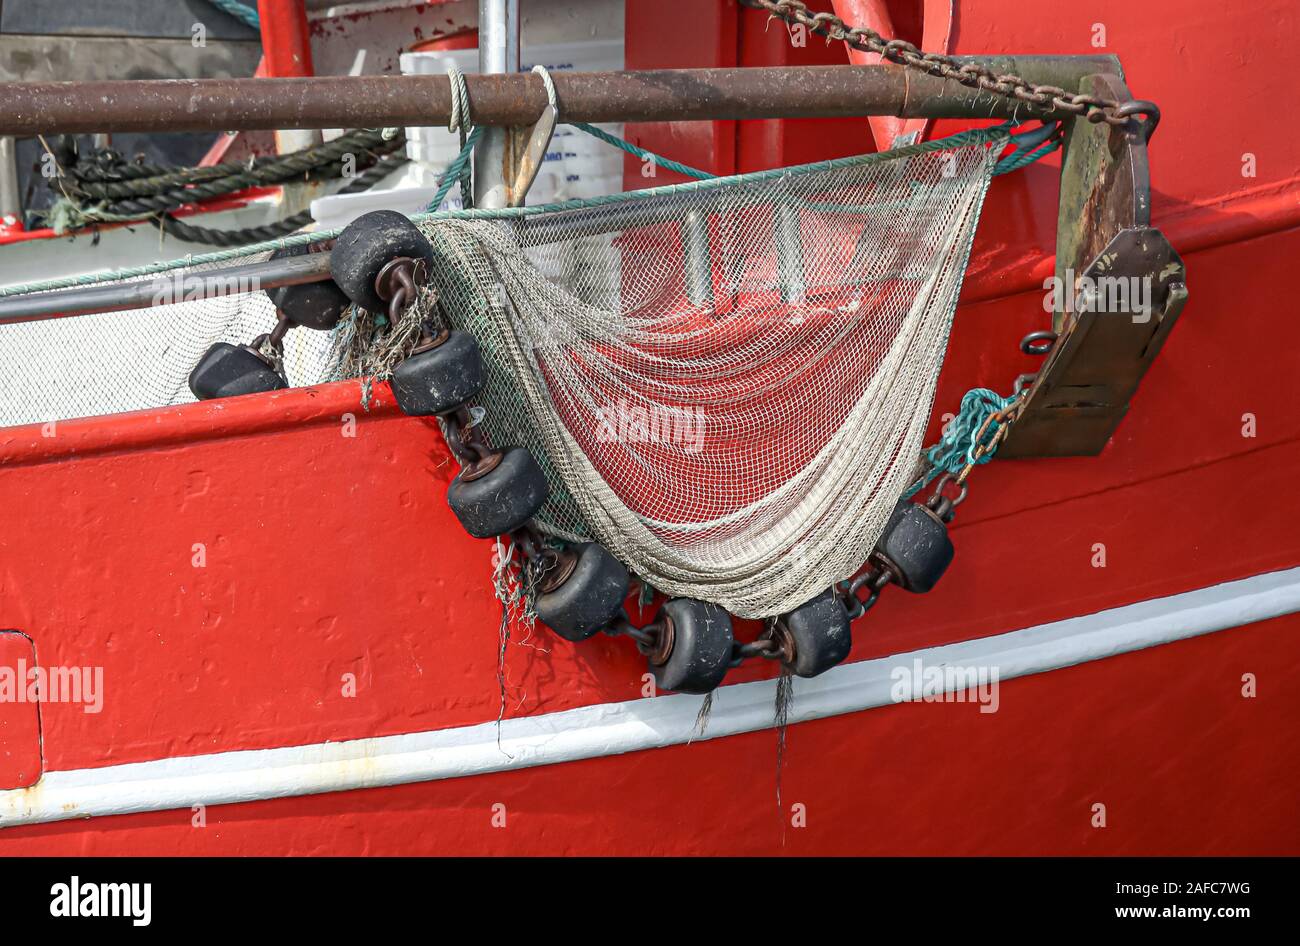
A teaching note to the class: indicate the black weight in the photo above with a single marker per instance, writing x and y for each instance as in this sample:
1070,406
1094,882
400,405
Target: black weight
819,630
916,546
701,650
366,246
503,499
589,598
439,379
316,305
227,370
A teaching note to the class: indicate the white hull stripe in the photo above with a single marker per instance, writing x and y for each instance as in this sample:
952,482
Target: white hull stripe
225,778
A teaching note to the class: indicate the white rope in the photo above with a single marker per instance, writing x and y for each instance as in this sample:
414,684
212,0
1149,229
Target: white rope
549,83
459,105
460,118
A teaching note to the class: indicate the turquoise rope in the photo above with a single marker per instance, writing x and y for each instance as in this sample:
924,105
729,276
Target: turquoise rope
246,15
1030,146
956,448
974,136
639,152
455,172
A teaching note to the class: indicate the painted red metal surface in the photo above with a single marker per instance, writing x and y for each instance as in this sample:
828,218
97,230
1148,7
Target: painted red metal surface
286,40
925,23
248,649
20,714
1162,738
324,554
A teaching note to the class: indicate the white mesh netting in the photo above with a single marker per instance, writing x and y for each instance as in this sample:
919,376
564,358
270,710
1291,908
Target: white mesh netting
140,358
726,382
727,385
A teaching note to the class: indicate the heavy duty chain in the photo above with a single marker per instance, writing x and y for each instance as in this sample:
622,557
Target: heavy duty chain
969,74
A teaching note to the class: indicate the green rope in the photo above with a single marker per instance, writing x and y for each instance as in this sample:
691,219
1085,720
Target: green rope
974,136
246,15
1030,146
956,448
456,172
639,152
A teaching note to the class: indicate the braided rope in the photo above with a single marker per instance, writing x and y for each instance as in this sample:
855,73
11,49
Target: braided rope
957,445
461,123
639,152
214,236
106,175
552,97
174,190
244,14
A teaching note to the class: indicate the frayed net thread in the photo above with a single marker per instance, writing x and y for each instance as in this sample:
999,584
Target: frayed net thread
514,584
368,346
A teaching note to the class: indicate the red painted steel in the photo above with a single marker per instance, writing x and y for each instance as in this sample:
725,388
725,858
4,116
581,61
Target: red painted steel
286,40
1163,738
320,561
20,716
925,23
325,554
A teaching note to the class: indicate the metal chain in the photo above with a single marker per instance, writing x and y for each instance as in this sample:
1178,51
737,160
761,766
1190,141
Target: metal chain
969,74
985,447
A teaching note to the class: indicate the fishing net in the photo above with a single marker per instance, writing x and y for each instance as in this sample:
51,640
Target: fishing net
726,382
141,358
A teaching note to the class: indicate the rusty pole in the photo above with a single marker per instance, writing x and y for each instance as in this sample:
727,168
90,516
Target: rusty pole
28,109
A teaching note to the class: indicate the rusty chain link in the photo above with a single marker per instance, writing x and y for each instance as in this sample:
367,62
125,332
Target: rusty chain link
972,75
1004,419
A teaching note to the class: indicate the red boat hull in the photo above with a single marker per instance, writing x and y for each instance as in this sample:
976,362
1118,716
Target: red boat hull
282,570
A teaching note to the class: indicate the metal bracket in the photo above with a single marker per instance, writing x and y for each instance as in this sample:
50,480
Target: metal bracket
525,152
1119,286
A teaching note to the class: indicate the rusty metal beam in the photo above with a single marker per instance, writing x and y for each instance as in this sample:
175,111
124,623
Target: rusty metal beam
164,289
660,95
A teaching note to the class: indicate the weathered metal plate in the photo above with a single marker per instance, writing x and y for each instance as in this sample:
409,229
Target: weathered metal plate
1119,288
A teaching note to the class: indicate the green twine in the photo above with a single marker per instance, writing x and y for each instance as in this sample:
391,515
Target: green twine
456,171
1030,146
66,215
639,152
956,448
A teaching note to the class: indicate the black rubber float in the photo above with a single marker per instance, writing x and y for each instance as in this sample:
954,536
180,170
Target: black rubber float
814,636
695,646
583,593
440,375
366,246
227,370
498,495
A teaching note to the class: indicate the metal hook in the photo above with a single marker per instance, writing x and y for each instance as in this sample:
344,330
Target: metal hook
1150,110
1032,344
539,139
